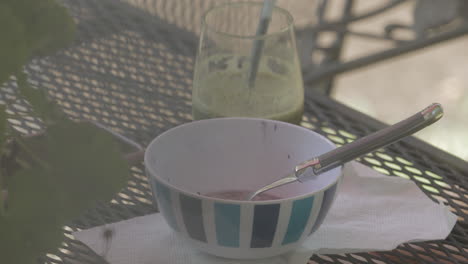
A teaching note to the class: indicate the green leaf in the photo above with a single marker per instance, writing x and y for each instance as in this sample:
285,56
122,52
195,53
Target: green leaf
33,194
3,123
42,106
2,202
33,221
48,25
21,243
88,160
84,165
14,51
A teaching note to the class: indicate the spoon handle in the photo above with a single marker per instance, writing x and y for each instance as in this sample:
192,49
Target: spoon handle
369,143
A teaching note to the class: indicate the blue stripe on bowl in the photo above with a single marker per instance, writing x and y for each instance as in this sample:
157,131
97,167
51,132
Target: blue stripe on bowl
227,221
326,204
300,214
264,225
163,196
192,214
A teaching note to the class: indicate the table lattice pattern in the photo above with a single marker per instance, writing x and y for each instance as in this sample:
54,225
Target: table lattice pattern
131,71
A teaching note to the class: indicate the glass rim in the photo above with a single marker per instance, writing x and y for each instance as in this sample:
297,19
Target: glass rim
289,21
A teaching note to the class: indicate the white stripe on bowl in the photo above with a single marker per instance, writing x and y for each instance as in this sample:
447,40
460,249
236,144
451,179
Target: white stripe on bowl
209,221
313,218
283,222
178,212
246,223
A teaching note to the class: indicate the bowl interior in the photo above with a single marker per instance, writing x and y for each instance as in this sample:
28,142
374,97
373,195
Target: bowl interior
227,154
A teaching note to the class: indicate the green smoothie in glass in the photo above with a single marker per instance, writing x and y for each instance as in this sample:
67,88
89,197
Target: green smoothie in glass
220,90
231,40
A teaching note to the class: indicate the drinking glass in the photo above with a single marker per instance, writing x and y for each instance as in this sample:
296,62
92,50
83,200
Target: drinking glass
221,85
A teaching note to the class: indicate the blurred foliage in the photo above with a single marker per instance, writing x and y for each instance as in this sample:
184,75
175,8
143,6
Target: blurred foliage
31,28
49,179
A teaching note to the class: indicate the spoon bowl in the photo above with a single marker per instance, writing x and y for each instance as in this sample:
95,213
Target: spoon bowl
201,171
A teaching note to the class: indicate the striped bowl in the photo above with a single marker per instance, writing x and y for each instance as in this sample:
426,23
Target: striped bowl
229,154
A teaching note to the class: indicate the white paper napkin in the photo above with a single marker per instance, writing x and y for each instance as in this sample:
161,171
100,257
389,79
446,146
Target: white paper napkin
372,212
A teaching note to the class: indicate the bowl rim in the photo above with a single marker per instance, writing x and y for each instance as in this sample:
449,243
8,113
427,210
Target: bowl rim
152,173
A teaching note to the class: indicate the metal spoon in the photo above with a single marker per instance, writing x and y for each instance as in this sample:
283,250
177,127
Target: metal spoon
332,159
